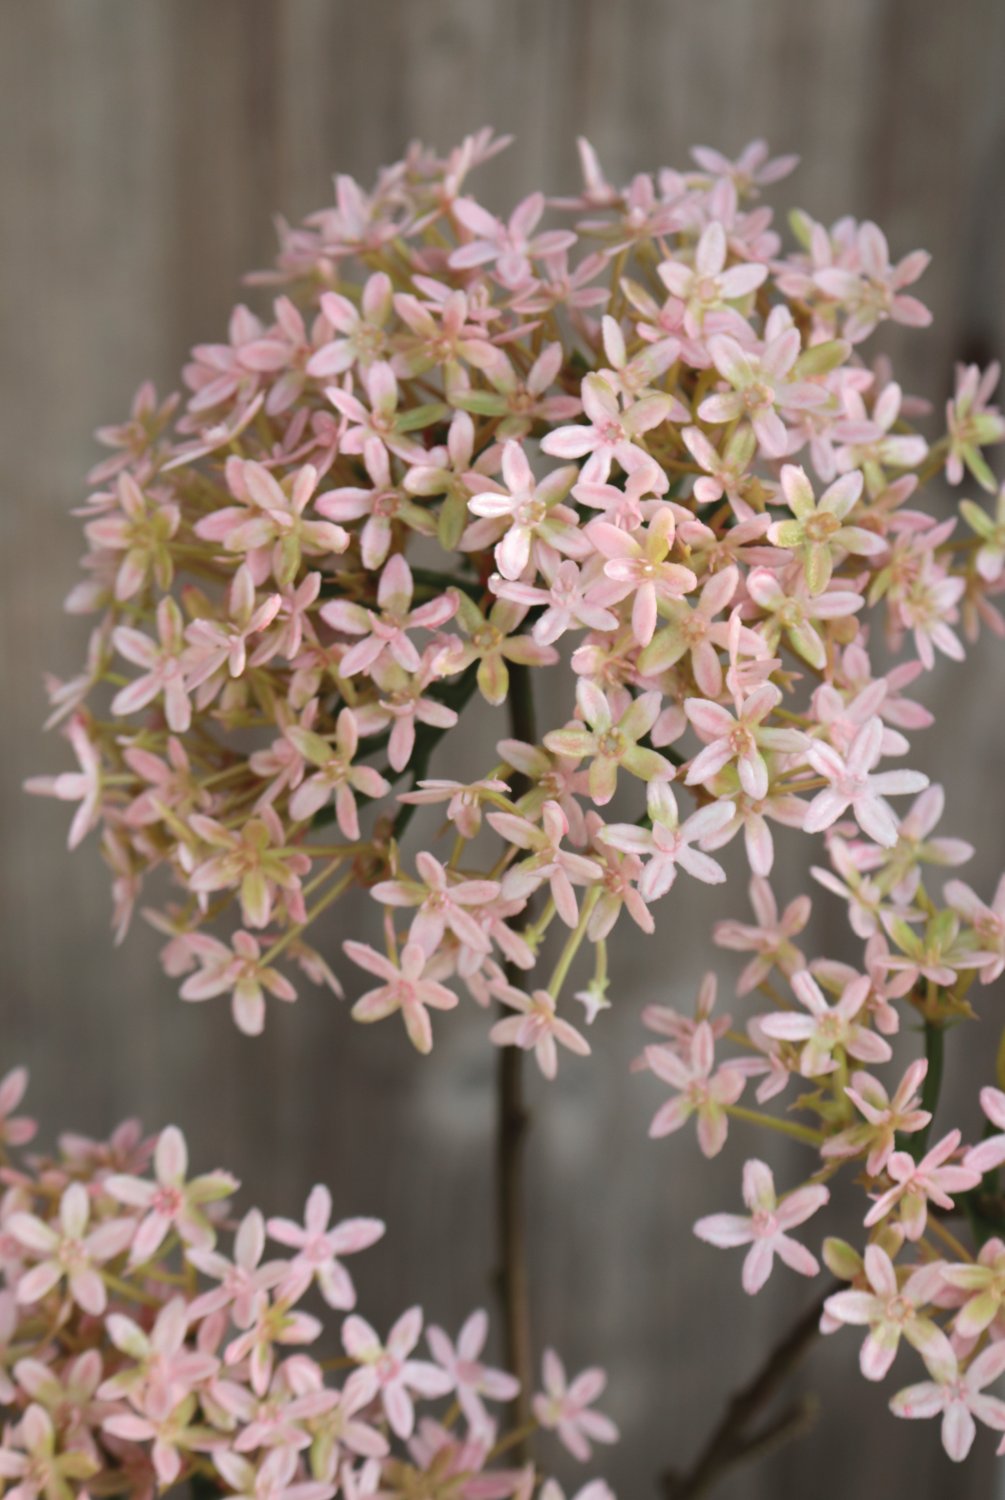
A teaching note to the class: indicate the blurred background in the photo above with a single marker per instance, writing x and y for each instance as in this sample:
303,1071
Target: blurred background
144,148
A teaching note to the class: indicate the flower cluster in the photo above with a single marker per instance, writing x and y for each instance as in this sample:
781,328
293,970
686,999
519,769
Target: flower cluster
137,1352
461,452
825,1027
650,440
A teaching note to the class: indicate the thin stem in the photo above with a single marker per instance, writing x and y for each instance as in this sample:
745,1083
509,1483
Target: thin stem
732,1442
935,1049
313,913
511,1130
573,944
787,1127
936,1227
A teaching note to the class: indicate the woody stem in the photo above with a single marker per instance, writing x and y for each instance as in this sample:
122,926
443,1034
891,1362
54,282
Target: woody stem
511,1128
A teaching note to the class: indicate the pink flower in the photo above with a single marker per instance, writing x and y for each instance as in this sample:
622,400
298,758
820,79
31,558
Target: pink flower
239,969
382,503
464,802
163,1369
272,1323
610,741
885,1117
726,473
760,387
870,289
216,647
892,1310
766,1228
361,329
241,1279
611,432
253,860
573,597
853,786
915,1184
510,247
28,1454
334,772
700,1090
708,285
83,786
637,565
171,1202
547,860
818,527
797,612
959,1397
403,705
387,632
984,1284
669,842
441,904
472,1380
318,1249
694,630
741,739
271,519
69,1251
382,423
141,530
770,939
404,989
565,1408
828,1027
392,1374
536,1027
531,512
973,423
987,921
754,167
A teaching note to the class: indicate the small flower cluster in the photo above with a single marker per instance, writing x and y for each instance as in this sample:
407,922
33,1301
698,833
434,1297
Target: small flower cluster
137,1353
650,438
828,1026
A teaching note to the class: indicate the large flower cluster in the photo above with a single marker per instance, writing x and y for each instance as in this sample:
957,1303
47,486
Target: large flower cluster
463,450
136,1352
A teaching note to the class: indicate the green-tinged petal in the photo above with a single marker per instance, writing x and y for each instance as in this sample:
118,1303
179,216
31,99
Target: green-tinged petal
978,520
788,533
808,644
818,566
664,650
493,678
643,763
576,743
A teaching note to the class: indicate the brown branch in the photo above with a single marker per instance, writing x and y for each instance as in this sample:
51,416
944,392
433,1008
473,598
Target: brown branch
733,1442
512,1121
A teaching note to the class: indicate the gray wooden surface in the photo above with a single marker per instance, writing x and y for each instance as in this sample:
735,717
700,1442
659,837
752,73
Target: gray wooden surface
143,149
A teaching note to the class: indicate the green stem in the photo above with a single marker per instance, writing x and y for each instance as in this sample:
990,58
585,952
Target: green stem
787,1127
572,944
935,1048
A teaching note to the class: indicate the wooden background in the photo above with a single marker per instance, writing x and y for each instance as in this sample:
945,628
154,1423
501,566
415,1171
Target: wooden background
144,148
